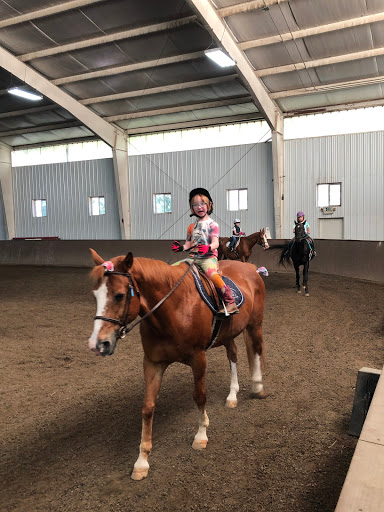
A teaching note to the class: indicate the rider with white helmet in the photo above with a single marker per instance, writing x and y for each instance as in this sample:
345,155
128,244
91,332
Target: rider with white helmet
236,233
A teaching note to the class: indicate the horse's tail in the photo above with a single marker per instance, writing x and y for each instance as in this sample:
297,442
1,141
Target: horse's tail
285,254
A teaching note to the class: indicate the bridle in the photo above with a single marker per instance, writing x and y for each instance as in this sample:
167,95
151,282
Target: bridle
132,287
124,330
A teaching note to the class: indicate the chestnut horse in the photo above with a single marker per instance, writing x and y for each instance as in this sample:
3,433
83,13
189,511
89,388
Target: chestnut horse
175,326
244,249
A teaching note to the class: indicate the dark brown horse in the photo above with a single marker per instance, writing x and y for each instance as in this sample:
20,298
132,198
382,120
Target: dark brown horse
244,249
177,329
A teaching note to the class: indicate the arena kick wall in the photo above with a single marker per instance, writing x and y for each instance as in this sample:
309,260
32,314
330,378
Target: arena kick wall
356,259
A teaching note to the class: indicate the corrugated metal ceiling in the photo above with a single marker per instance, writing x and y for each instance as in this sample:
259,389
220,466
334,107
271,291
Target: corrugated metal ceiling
141,65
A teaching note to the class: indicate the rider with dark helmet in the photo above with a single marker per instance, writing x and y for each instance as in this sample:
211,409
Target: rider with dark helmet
300,219
202,242
236,232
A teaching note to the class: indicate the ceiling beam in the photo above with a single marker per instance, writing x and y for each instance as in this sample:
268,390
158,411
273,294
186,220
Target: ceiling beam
48,11
260,96
375,52
26,111
179,108
42,128
238,118
158,90
102,128
333,108
128,68
327,87
321,29
253,5
108,38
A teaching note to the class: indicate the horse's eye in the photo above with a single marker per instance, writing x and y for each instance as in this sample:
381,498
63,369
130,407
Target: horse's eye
119,297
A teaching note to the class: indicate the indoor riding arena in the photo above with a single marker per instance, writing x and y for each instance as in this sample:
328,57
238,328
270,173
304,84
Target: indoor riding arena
156,131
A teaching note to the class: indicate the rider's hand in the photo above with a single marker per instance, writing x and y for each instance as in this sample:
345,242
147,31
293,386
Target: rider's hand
203,249
242,233
176,247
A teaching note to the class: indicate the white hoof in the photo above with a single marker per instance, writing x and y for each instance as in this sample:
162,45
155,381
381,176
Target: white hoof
199,444
307,294
299,292
231,404
139,474
260,394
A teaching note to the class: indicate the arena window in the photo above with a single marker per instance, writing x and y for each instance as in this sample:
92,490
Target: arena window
329,194
39,207
237,199
162,203
96,205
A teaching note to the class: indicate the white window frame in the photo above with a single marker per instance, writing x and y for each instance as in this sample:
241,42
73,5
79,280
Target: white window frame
155,196
329,202
230,207
37,208
92,210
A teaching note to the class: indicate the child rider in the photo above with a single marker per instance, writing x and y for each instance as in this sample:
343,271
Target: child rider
202,243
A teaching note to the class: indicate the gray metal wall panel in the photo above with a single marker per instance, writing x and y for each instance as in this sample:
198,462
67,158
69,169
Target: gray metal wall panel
217,169
3,229
355,160
66,187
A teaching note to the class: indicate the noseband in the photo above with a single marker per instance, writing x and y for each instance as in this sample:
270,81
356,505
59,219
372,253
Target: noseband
124,330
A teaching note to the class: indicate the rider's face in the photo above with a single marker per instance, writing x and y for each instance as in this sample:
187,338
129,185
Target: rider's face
199,207
300,219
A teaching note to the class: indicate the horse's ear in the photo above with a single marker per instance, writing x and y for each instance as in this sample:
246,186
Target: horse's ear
98,260
127,263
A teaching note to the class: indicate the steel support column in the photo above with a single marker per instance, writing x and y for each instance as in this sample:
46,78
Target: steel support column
7,189
278,176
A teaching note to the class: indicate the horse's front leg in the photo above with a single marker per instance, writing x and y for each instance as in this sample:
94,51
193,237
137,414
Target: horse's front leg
231,401
199,366
153,374
305,278
297,270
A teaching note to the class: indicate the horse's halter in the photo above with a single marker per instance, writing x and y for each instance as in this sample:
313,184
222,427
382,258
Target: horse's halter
124,330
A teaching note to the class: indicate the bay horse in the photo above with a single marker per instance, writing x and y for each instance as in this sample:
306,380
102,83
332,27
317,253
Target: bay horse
175,326
244,249
298,251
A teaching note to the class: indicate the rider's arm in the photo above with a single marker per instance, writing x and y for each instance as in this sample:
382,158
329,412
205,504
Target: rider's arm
215,243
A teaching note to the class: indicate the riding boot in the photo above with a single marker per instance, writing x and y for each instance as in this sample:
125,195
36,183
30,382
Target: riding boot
229,301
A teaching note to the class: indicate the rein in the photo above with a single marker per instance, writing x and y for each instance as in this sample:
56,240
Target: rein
124,329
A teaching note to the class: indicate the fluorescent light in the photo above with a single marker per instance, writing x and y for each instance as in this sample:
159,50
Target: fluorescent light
25,94
221,58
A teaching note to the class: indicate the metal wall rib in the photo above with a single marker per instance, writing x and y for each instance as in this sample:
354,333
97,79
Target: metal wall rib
66,187
354,160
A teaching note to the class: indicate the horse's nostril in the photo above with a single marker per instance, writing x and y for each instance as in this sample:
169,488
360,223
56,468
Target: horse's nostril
103,346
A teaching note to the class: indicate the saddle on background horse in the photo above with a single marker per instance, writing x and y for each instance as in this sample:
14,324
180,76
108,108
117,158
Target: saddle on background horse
238,238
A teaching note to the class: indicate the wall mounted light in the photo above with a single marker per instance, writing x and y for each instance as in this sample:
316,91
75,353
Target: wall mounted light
221,58
33,96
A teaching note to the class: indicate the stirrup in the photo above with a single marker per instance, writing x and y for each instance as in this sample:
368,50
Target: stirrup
224,311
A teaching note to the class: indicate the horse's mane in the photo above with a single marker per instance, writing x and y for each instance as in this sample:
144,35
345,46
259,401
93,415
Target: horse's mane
158,271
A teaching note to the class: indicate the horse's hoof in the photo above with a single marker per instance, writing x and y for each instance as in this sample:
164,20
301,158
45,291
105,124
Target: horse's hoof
199,444
260,395
307,294
299,292
139,474
231,404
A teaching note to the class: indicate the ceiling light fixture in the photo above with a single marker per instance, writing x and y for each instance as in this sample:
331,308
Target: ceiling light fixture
221,58
25,94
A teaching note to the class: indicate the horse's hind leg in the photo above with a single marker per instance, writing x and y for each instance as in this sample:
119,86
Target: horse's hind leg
153,374
231,348
253,337
199,366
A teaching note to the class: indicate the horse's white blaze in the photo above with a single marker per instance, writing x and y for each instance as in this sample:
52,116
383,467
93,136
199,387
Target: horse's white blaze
234,386
101,300
266,244
257,385
203,424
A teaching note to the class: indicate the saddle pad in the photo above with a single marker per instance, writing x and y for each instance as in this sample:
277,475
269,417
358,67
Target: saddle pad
236,292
